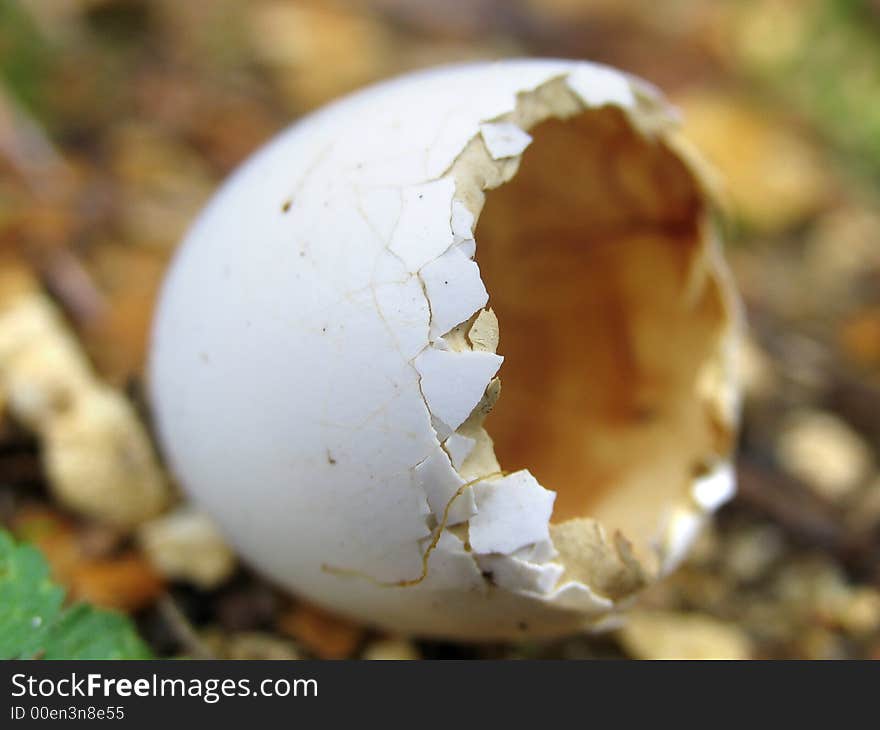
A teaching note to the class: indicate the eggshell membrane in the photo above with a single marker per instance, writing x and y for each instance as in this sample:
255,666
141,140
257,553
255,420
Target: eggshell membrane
316,391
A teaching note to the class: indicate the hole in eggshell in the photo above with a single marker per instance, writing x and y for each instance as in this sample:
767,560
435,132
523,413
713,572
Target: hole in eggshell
590,255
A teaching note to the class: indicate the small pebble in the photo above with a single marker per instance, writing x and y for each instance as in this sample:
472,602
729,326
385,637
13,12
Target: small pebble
391,649
672,635
825,453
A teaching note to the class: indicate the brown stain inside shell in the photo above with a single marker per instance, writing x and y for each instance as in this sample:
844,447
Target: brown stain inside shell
591,256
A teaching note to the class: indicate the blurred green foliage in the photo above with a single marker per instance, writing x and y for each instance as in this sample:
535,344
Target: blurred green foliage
26,58
831,75
34,624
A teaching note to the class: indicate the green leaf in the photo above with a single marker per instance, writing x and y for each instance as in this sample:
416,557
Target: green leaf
29,602
33,623
85,632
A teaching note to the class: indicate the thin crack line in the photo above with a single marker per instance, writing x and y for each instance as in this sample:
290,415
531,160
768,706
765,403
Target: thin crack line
435,539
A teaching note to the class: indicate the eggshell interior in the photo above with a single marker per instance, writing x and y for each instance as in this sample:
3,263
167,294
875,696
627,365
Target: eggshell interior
594,257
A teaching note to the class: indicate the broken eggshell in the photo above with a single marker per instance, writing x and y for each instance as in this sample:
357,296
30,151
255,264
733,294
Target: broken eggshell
324,360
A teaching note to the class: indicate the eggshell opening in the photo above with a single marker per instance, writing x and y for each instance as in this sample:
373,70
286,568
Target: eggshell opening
594,259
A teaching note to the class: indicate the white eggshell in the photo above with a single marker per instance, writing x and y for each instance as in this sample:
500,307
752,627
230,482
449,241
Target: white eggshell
301,384
512,513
